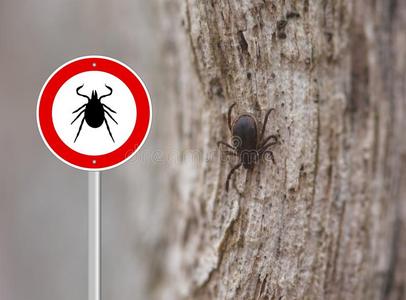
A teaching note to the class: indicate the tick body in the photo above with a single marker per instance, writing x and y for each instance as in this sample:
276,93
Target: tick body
94,114
247,144
245,136
94,111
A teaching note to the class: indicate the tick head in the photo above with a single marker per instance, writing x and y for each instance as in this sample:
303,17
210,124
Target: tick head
94,96
249,158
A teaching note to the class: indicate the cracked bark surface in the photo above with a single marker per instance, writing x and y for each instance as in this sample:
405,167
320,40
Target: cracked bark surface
328,220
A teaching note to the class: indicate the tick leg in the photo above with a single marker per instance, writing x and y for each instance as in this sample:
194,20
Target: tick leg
270,154
113,111
110,116
79,94
80,128
110,92
264,150
236,188
267,139
225,144
108,128
231,173
78,116
229,115
79,108
265,121
267,145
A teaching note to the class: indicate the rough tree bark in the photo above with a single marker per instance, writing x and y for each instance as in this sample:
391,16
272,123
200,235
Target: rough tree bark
328,220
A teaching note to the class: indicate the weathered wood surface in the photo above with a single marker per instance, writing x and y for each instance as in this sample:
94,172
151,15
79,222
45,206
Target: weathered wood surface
328,220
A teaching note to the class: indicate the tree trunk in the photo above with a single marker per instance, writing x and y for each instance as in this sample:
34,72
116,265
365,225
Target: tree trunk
327,221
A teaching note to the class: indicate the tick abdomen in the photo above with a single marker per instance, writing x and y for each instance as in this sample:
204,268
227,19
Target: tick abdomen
245,140
94,114
245,133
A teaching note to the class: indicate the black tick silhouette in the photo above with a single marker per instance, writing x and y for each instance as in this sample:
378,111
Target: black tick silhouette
94,111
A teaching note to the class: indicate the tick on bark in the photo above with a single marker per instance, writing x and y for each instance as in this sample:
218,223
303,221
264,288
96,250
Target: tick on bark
246,144
94,111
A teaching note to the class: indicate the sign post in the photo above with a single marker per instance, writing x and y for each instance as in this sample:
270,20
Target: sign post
94,113
94,236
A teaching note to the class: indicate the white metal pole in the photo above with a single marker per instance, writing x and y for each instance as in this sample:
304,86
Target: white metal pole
94,237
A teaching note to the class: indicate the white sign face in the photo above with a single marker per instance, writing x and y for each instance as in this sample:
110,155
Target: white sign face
94,140
94,113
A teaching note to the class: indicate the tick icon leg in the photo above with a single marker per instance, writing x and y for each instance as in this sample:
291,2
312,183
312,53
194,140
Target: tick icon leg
78,116
80,128
75,111
112,110
108,128
110,116
110,92
79,94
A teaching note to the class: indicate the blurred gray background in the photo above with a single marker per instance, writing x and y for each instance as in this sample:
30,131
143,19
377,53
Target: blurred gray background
43,203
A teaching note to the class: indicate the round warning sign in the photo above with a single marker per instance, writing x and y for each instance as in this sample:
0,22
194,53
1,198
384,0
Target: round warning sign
94,113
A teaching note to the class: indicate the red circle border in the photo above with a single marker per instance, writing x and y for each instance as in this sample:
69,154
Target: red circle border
67,154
